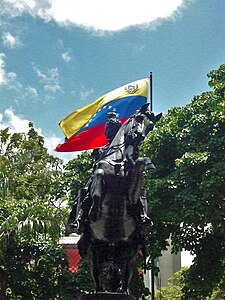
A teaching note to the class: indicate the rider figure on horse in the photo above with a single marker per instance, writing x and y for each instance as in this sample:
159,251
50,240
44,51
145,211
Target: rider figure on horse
112,126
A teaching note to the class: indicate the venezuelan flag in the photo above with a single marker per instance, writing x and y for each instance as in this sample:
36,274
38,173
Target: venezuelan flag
84,128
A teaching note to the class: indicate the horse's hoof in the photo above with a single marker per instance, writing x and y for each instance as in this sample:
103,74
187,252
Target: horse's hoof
122,290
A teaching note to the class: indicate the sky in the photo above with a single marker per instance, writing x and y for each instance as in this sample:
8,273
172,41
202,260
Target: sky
58,55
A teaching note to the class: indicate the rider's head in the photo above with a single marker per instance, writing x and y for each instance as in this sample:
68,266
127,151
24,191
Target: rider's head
111,114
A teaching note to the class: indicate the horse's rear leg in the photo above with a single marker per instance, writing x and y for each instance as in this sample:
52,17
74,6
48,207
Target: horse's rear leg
96,272
96,277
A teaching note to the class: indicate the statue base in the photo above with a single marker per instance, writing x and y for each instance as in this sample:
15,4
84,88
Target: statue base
106,296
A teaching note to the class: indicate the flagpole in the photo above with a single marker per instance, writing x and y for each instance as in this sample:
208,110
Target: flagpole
150,100
150,92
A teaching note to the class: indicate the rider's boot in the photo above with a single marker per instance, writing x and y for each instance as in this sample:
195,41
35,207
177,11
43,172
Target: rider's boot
82,216
85,240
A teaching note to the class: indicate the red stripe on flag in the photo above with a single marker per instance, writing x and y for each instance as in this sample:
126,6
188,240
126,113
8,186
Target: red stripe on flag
91,138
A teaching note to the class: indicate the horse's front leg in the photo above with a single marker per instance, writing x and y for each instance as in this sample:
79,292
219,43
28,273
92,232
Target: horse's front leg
96,194
127,272
128,268
137,194
136,178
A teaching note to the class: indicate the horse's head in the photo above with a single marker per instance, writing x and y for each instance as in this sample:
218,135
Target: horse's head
145,119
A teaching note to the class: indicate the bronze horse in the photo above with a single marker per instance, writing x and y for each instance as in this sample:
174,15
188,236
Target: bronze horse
111,234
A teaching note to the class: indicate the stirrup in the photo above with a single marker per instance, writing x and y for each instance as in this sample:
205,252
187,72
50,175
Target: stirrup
76,227
146,221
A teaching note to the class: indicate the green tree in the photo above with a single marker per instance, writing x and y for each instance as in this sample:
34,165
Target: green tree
186,194
218,293
31,216
77,173
80,283
173,291
35,270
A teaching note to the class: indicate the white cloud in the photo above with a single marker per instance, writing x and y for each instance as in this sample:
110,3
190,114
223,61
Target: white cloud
9,40
5,77
51,142
18,124
66,56
15,123
31,91
84,93
17,7
99,14
49,79
11,82
111,15
2,69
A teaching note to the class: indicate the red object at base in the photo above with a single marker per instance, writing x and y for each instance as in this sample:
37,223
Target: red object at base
73,258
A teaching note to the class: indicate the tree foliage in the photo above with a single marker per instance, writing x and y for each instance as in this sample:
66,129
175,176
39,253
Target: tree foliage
77,172
31,216
186,194
174,289
35,270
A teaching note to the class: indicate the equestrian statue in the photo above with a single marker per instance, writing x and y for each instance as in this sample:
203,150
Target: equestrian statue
110,212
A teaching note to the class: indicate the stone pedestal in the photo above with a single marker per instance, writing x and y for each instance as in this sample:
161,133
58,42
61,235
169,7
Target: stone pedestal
106,296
